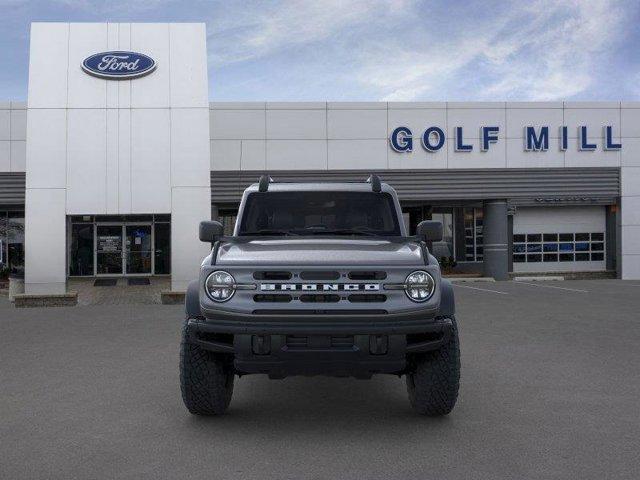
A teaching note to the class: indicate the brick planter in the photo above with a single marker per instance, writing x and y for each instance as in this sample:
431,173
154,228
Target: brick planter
62,300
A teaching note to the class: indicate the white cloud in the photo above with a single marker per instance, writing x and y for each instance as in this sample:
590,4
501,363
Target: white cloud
545,51
407,50
260,29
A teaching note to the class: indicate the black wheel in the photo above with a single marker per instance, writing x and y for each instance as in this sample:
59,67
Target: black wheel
206,379
434,378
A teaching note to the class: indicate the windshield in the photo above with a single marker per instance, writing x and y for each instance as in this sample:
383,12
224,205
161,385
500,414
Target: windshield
317,213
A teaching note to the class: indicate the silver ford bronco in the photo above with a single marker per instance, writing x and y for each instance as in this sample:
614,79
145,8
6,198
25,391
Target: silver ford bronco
320,279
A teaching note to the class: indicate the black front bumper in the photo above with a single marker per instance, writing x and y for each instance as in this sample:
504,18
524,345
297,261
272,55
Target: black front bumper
325,322
340,345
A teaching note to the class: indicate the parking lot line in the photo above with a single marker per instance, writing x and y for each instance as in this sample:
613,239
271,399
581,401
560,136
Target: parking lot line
552,286
481,289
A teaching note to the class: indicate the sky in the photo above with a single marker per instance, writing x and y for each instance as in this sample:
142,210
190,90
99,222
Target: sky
377,50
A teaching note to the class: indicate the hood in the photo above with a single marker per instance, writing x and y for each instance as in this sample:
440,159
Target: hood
316,251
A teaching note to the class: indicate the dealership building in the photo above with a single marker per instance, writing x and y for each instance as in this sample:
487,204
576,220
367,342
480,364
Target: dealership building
117,155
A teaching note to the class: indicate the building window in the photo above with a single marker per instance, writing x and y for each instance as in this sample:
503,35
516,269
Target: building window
120,244
11,242
473,239
558,247
227,217
81,250
445,248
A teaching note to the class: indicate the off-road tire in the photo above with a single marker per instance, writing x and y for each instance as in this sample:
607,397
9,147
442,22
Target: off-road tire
434,378
206,379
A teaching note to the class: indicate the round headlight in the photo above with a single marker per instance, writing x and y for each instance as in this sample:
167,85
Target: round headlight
419,286
220,286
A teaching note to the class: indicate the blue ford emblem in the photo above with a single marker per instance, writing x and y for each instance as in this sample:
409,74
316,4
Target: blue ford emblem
118,65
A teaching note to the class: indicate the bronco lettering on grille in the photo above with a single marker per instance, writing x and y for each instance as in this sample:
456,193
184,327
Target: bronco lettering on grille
319,287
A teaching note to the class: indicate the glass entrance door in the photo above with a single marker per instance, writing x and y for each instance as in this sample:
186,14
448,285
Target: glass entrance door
109,250
139,250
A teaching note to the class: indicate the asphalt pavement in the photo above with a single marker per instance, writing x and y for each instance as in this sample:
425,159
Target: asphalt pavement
550,389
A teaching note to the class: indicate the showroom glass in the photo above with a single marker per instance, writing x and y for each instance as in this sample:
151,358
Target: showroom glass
309,213
81,251
129,244
12,241
558,247
138,249
473,238
162,248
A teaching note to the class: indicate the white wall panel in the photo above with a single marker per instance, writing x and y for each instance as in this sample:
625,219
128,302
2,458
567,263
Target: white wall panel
112,162
237,124
86,91
18,156
631,239
124,86
190,205
357,154
296,124
225,154
630,153
5,124
47,148
124,161
296,154
152,91
113,43
253,155
418,158
592,118
630,211
517,157
190,147
598,158
630,181
18,124
630,120
150,161
418,120
188,53
495,157
630,268
5,156
356,124
45,241
86,161
48,62
518,118
471,119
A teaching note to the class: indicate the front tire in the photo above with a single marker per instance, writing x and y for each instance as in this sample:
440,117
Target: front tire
206,379
434,379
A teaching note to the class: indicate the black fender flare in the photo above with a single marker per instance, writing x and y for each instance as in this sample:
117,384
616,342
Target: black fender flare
192,300
447,300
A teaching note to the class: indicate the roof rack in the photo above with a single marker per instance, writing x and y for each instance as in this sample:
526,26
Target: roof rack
374,180
263,183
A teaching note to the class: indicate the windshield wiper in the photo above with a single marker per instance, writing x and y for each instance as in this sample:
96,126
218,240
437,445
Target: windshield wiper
267,231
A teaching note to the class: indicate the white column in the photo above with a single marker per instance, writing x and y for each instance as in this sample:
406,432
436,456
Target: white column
630,223
45,241
630,191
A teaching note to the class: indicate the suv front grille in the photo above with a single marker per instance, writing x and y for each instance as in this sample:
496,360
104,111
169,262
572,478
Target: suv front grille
316,286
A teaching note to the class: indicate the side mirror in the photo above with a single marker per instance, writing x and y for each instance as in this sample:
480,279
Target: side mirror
430,231
210,231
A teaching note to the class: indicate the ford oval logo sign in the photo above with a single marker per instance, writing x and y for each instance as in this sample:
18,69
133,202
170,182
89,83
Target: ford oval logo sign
118,65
